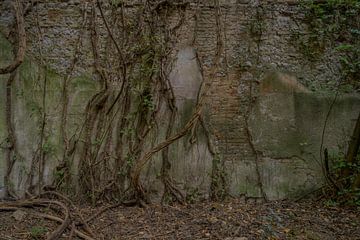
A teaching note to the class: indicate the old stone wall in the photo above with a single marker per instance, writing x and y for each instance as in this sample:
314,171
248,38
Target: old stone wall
254,133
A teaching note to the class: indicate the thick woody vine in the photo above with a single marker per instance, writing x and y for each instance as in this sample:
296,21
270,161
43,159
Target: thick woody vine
132,60
142,161
141,50
256,29
138,55
20,39
132,65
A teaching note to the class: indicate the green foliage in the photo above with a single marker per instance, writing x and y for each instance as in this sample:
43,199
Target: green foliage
149,52
218,179
37,232
128,131
333,22
35,108
48,147
258,25
168,198
331,203
115,2
129,160
96,142
340,164
59,175
351,196
347,194
147,102
333,25
192,195
350,62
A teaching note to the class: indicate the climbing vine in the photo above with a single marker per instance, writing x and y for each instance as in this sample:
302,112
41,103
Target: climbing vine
140,68
12,153
256,30
134,47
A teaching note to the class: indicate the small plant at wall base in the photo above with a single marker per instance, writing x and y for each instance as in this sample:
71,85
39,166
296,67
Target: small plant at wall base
37,232
345,172
218,179
349,193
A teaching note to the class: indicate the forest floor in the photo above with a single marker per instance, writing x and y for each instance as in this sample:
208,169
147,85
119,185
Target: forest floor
231,219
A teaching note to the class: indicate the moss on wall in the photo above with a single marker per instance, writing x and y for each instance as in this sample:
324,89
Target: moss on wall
28,99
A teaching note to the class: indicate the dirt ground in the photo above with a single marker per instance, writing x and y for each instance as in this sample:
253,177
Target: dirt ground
232,219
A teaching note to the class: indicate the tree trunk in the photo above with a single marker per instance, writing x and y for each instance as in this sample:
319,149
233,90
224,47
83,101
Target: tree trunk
354,143
353,150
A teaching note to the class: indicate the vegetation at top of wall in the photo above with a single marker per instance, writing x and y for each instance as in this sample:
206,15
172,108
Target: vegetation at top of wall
333,25
333,31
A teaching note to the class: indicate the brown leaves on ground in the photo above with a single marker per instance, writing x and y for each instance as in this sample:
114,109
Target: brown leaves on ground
231,219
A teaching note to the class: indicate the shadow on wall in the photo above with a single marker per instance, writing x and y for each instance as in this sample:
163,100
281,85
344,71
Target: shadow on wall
277,82
286,125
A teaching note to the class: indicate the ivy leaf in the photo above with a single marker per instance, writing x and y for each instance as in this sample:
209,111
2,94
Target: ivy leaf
344,47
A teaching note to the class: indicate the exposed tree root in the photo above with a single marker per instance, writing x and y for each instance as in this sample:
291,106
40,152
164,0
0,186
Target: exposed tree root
81,218
42,202
59,220
65,223
101,211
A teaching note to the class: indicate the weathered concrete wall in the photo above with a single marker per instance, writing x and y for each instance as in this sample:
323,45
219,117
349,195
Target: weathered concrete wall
191,163
257,36
287,134
27,93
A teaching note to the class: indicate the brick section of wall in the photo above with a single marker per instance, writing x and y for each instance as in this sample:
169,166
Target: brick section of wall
257,35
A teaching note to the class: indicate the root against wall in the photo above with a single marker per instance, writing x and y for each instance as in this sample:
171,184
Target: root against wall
12,153
121,119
